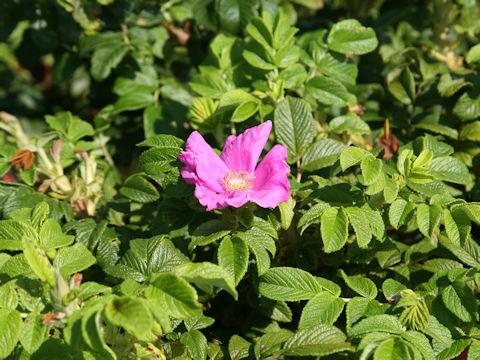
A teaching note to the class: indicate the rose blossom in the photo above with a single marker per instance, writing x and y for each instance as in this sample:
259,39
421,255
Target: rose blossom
233,179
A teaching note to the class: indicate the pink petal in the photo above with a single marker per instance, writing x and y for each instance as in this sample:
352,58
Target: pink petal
188,171
271,186
202,165
243,151
213,200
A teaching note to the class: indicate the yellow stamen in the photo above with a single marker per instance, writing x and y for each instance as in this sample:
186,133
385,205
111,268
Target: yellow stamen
237,180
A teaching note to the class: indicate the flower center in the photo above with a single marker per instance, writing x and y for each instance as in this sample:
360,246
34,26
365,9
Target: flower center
237,180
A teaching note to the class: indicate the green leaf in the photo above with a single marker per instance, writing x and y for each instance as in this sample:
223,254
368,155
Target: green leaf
8,296
457,226
245,110
79,129
329,286
335,65
399,212
350,123
91,288
391,288
399,83
236,97
371,169
138,189
459,299
208,274
311,216
265,227
286,213
328,91
39,214
74,259
175,295
258,243
166,142
134,101
293,122
52,237
447,168
350,37
256,61
33,332
390,190
235,14
391,349
428,218
130,314
196,344
275,310
198,322
471,131
462,254
159,160
468,106
283,32
91,327
420,342
409,83
351,156
474,350
10,331
288,284
334,229
11,233
107,57
448,87
323,308
318,340
359,307
321,154
261,32
209,232
454,350
385,323
293,76
439,264
473,54
358,218
238,347
270,342
38,260
233,257
363,286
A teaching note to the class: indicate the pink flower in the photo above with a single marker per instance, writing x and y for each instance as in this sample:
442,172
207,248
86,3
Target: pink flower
233,178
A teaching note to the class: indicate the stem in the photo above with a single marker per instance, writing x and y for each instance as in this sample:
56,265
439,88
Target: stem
44,158
105,150
299,172
125,36
7,129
